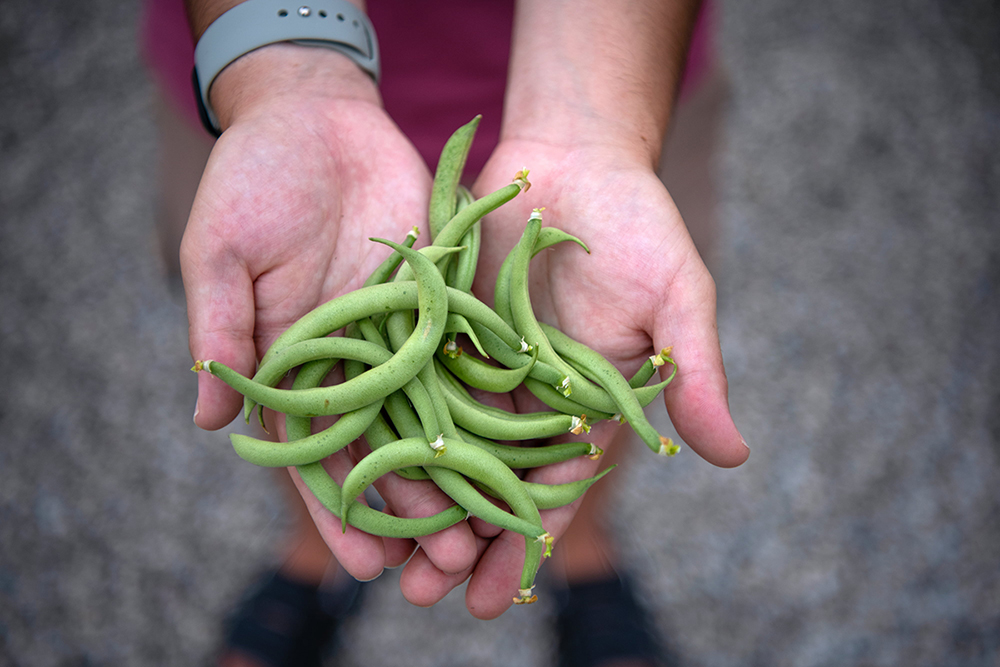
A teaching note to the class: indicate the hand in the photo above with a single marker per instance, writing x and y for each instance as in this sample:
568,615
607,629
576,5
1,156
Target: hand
643,288
308,168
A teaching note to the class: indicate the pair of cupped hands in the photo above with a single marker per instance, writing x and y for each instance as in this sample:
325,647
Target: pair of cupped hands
299,182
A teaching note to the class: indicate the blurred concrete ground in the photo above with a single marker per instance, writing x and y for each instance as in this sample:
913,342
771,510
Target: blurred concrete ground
858,263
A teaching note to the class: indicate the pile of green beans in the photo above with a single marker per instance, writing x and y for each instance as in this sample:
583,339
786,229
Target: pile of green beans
407,380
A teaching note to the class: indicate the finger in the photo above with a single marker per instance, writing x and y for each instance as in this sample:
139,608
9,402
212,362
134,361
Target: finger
495,581
451,550
698,398
424,585
397,551
220,305
360,554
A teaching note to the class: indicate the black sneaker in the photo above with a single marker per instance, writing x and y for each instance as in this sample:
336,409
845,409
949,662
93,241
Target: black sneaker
601,622
285,623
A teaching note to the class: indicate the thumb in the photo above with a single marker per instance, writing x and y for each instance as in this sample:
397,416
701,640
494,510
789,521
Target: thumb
698,398
220,305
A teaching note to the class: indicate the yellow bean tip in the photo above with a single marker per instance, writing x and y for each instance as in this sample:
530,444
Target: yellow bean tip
595,452
579,425
521,179
549,542
438,446
668,447
525,596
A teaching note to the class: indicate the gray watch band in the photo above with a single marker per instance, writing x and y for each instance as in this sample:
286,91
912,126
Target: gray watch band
333,24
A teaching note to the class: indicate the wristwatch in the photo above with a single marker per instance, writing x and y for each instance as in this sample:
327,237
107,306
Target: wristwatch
332,24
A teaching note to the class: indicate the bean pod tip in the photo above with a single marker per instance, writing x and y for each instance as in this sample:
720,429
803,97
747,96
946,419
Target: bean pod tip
525,596
668,447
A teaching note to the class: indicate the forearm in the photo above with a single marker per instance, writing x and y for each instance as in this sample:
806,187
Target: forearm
596,71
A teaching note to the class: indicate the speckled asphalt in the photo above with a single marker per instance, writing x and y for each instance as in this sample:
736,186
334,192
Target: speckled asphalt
858,267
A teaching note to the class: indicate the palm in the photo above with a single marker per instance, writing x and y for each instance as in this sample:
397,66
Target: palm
312,201
642,285
281,224
639,247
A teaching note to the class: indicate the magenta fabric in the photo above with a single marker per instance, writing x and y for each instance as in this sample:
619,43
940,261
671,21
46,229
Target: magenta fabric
166,47
443,62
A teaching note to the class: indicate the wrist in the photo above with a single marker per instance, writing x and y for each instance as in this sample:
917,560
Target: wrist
588,73
287,76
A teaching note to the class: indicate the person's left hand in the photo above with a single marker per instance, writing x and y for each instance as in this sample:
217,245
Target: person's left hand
642,288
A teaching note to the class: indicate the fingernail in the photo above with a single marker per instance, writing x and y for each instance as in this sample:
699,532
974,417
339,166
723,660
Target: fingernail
373,578
195,418
744,443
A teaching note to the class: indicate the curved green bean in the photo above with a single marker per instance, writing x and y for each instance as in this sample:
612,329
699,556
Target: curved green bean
471,462
548,395
374,384
498,424
605,373
479,374
552,496
327,491
315,447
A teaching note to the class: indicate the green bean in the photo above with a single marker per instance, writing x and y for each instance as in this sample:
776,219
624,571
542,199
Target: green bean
453,483
474,463
333,348
585,392
463,197
328,493
555,400
372,521
518,457
481,375
550,236
315,447
379,432
454,455
364,302
383,272
456,228
374,384
617,387
645,394
479,313
462,271
460,324
498,424
647,369
512,358
447,175
551,496
547,237
501,290
472,241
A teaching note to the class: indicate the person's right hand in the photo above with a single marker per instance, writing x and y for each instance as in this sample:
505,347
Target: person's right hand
308,168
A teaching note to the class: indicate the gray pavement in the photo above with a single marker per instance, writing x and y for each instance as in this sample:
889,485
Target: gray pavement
858,266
